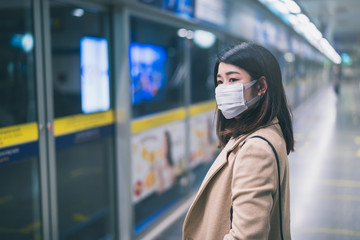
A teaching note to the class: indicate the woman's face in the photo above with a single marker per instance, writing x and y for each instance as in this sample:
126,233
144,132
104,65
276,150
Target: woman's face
231,74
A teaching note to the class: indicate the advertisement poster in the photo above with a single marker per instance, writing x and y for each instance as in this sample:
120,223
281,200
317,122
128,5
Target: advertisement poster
203,139
158,159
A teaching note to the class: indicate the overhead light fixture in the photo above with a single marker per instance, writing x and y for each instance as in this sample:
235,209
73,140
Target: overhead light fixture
292,6
281,7
303,18
78,12
314,30
289,57
290,12
23,41
204,39
27,42
182,32
346,59
292,19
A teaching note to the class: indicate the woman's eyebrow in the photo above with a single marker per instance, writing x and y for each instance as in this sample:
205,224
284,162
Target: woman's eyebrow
229,73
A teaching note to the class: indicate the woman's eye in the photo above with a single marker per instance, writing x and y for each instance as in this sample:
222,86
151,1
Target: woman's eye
233,79
219,82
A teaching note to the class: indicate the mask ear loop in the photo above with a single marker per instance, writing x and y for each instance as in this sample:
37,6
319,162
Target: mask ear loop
255,99
250,84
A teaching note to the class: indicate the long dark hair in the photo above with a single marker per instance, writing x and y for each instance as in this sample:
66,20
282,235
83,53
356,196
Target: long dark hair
257,61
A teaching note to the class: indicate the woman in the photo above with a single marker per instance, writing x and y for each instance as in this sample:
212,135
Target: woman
242,195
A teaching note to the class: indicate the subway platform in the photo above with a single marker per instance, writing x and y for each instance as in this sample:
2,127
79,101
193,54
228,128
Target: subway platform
324,169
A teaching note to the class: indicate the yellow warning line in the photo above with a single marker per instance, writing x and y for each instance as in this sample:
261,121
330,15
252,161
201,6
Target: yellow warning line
156,120
342,197
329,231
341,183
18,134
6,198
25,230
202,107
80,122
332,182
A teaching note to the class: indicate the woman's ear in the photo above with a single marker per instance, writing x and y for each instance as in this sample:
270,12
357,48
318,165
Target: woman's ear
262,86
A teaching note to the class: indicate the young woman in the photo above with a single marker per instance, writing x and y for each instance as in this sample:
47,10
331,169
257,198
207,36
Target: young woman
245,194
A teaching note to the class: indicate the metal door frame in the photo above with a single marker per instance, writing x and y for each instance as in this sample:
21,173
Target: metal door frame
45,113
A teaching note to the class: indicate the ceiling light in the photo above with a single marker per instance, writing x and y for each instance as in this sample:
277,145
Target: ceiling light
182,32
292,19
314,31
303,18
78,12
204,39
281,7
292,6
27,42
289,57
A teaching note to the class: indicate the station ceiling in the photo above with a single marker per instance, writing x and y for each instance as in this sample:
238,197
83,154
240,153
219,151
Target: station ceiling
338,20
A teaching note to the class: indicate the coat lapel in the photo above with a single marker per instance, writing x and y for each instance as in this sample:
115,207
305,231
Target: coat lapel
218,164
222,159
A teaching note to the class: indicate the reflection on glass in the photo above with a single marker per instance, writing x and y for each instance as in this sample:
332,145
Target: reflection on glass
20,211
156,68
95,90
202,82
17,81
158,154
79,39
83,191
147,71
74,29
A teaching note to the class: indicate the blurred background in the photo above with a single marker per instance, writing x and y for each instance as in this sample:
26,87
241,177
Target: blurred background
107,112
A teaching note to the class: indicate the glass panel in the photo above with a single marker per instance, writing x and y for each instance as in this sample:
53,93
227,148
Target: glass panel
203,140
20,213
83,123
17,81
158,147
202,78
156,69
80,59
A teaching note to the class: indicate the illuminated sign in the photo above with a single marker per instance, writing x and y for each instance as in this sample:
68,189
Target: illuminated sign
95,92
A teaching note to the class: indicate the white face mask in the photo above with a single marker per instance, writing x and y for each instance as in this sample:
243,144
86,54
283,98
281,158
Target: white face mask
230,98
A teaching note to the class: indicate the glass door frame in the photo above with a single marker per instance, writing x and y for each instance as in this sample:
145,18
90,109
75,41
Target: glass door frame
123,104
40,73
45,113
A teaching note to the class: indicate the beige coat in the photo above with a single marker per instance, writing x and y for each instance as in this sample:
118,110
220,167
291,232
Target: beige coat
246,178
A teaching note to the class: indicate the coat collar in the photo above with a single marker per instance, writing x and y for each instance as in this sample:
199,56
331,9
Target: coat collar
222,159
235,142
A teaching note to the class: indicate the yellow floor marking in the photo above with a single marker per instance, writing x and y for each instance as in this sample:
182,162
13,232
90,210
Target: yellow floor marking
357,140
331,182
304,146
341,183
77,172
330,231
8,230
6,198
355,120
25,230
79,217
342,197
30,228
358,153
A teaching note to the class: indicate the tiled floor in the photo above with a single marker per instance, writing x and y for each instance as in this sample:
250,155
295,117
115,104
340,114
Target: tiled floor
324,169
